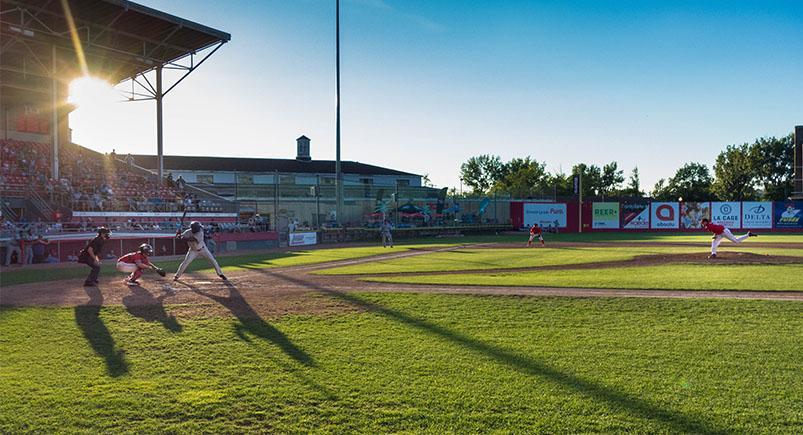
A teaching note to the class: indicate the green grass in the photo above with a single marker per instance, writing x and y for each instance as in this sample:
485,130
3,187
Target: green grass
410,363
670,276
260,260
512,258
674,237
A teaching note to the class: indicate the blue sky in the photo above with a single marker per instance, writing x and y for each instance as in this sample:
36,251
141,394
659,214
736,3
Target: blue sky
428,84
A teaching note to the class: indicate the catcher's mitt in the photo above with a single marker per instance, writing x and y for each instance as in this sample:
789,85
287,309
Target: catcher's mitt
160,271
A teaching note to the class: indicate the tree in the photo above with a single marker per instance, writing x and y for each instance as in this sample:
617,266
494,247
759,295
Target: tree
735,174
661,191
481,172
633,185
611,179
692,182
772,161
523,178
592,178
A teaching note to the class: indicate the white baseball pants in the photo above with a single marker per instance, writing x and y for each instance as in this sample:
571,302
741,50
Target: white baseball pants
192,253
728,235
126,267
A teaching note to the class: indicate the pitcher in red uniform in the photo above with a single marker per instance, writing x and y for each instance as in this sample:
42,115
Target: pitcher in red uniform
719,232
535,231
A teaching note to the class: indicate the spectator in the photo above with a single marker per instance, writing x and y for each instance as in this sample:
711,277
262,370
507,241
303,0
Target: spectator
39,249
27,246
14,246
129,159
180,183
73,257
51,258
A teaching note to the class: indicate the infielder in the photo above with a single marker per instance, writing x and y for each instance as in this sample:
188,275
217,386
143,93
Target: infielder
535,231
719,232
135,262
385,232
194,237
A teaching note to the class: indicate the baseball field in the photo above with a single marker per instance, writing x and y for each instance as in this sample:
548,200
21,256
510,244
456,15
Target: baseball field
593,333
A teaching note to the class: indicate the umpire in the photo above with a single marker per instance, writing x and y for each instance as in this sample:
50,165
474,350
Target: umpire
90,255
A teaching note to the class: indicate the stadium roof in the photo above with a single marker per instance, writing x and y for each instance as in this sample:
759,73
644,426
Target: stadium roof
120,39
245,164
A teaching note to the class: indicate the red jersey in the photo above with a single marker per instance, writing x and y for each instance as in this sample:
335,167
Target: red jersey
716,229
133,257
535,230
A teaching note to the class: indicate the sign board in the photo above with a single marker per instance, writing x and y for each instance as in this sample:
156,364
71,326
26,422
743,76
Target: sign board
664,215
545,214
303,239
635,216
576,184
756,214
692,213
789,214
727,213
605,215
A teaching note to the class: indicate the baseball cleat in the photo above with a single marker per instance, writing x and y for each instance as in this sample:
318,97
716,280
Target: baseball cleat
751,234
712,256
223,277
175,278
132,282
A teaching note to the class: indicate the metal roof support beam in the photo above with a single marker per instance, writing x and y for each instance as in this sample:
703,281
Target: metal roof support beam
159,126
193,68
54,128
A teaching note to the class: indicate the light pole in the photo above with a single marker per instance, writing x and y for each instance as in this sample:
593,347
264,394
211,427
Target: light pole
338,173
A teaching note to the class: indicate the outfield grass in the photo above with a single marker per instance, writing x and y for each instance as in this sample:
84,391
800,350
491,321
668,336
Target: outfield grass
703,237
259,260
668,277
513,258
411,362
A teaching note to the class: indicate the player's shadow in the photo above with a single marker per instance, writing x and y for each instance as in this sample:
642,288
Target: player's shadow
251,322
87,317
675,420
141,303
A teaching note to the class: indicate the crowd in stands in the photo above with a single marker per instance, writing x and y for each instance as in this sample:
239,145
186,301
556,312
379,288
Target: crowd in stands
90,181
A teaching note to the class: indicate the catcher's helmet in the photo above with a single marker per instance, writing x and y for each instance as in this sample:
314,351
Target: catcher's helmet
146,249
196,226
104,230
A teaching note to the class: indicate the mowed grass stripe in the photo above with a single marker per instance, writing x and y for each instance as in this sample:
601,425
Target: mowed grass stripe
411,363
514,258
664,277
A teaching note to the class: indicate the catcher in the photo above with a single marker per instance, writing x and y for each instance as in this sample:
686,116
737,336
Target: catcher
135,262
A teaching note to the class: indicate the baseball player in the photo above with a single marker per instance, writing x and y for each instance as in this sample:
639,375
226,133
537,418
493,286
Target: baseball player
90,255
135,262
194,237
535,231
719,232
385,232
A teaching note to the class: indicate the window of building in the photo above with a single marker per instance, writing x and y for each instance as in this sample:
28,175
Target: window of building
245,179
328,180
287,179
367,180
402,182
208,179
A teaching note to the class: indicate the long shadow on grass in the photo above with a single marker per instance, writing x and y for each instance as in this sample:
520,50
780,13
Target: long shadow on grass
677,421
141,303
87,317
250,321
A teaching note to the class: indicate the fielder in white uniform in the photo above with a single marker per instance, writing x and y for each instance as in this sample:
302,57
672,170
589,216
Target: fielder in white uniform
194,237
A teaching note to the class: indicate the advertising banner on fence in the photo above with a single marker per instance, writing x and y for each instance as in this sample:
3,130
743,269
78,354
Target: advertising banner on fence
691,213
727,213
635,216
789,214
606,215
664,215
756,214
545,214
303,239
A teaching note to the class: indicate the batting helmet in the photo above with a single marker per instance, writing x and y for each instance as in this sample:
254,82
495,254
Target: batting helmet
104,230
196,226
146,249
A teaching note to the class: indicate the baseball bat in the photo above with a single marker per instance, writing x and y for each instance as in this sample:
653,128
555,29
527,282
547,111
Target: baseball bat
181,221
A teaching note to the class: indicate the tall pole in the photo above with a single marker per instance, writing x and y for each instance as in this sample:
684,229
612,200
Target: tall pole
338,173
159,131
580,201
54,121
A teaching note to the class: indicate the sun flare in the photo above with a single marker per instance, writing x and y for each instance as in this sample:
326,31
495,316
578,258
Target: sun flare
91,91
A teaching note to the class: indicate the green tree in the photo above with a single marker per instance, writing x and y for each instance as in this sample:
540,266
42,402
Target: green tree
592,178
772,160
523,178
692,182
735,174
661,191
611,179
633,185
481,172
